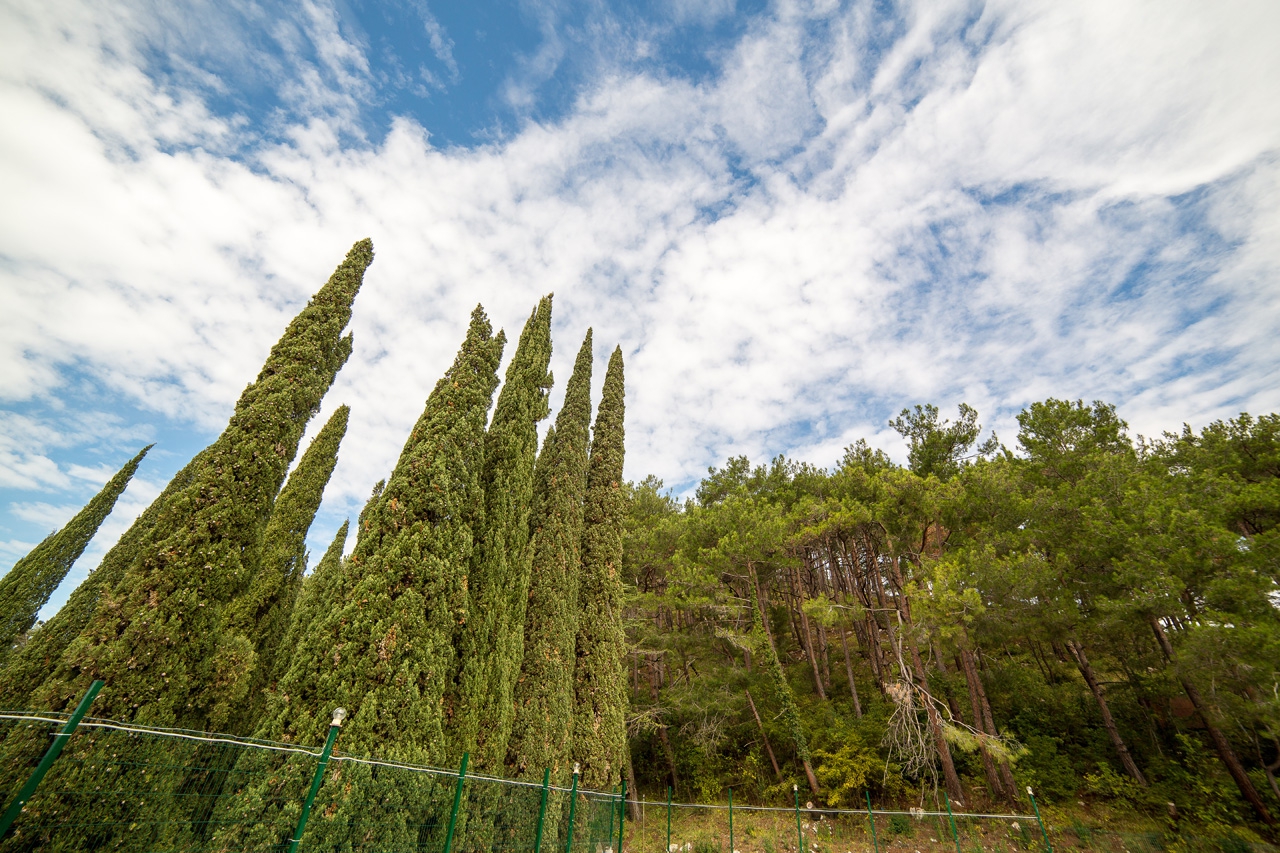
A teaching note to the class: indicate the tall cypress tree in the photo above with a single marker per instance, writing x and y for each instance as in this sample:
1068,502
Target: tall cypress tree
262,613
315,597
542,729
27,586
600,690
383,648
157,637
492,639
29,666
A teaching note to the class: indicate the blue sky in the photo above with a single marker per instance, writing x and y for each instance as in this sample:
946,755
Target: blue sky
796,218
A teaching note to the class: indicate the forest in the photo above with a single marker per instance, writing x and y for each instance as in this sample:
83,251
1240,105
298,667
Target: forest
1088,614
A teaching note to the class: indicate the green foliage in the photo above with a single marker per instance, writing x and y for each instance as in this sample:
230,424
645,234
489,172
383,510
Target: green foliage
383,646
847,772
600,687
159,636
940,449
263,612
27,586
492,639
542,728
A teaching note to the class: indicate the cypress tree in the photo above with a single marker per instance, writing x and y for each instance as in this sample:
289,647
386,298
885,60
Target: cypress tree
542,729
263,612
600,690
157,636
492,639
383,647
27,586
29,666
315,596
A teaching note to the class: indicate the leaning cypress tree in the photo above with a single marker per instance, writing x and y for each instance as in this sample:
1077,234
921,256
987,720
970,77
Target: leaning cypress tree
383,647
542,729
262,613
29,666
167,613
27,586
492,640
600,690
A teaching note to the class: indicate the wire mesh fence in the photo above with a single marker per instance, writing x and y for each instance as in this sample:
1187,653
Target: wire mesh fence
133,788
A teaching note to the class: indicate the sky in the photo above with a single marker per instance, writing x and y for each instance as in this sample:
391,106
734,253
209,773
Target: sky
795,218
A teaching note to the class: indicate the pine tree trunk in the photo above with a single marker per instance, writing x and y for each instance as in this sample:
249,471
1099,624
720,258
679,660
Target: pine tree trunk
988,766
848,668
808,642
669,754
950,778
764,737
1225,752
1082,661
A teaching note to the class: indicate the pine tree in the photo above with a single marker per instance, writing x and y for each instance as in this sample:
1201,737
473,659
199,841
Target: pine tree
27,586
29,666
157,637
383,646
492,639
542,729
600,689
263,612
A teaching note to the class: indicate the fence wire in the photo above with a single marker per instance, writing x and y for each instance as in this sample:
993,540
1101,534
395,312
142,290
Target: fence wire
132,788
139,789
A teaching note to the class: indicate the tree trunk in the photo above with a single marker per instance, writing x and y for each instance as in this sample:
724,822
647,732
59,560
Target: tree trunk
988,766
633,805
919,676
1006,772
824,657
1082,661
848,668
670,755
808,646
1225,752
764,737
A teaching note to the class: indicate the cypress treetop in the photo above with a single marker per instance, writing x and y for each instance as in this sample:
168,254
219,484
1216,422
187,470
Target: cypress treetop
160,637
542,729
315,596
493,636
600,690
29,666
27,586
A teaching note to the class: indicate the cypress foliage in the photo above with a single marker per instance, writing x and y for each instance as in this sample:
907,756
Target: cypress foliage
27,586
263,612
600,690
383,646
29,666
157,636
542,730
315,597
492,639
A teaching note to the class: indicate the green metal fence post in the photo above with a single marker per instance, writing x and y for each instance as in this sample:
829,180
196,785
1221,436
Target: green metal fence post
339,714
952,818
457,801
573,802
731,850
50,756
875,844
795,789
668,819
1047,845
622,815
542,810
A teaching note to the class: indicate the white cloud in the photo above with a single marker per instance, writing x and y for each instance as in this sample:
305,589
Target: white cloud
853,216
